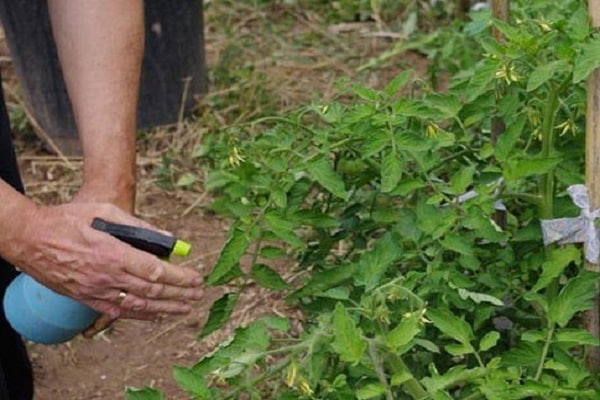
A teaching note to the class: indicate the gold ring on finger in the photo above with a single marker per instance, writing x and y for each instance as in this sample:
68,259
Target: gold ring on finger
120,297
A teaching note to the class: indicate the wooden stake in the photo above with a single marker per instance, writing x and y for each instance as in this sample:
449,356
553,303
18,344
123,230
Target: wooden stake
592,176
500,10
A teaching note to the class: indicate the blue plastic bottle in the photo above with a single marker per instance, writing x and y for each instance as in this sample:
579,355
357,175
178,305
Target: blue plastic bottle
44,316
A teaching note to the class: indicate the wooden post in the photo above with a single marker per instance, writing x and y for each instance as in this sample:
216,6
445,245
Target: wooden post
500,11
173,66
592,174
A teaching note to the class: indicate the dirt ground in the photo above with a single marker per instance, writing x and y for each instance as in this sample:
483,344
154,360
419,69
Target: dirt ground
297,60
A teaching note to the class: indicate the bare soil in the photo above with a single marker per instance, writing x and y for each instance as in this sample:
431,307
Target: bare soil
294,56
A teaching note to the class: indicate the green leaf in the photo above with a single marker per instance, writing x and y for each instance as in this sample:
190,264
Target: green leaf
520,168
321,171
337,293
462,180
451,325
191,382
374,263
479,297
408,186
454,376
448,105
557,260
366,93
578,337
526,354
186,179
219,314
544,73
508,140
410,108
534,336
283,229
458,244
400,377
436,221
587,60
481,82
391,171
232,251
370,391
348,341
427,345
459,349
577,295
489,340
272,253
280,324
398,82
279,197
143,394
320,281
219,179
266,277
404,333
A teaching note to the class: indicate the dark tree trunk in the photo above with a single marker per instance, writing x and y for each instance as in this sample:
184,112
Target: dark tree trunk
173,65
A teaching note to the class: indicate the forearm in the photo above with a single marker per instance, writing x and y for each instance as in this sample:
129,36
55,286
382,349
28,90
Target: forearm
100,46
14,212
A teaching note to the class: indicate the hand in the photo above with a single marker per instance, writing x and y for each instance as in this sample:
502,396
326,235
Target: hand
57,246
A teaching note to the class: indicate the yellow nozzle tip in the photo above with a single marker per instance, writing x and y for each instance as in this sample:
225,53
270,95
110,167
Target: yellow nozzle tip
181,248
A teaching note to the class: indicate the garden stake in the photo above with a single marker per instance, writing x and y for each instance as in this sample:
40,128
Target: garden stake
592,165
500,10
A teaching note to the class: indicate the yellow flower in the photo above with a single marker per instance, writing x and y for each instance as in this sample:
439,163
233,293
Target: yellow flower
432,130
544,25
235,157
292,374
508,73
534,117
304,387
566,127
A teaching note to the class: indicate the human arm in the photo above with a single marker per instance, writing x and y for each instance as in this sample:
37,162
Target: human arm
100,46
55,244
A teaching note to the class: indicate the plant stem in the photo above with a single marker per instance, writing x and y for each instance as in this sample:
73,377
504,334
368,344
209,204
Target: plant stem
545,350
253,382
547,130
546,208
378,365
412,386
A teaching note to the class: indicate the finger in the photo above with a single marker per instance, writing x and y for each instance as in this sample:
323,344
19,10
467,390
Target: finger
159,291
155,270
141,264
136,286
103,322
133,305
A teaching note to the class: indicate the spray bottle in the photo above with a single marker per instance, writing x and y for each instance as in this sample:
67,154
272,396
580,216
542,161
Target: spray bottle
44,316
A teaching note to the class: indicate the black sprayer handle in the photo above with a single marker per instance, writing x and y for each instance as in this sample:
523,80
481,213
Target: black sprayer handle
153,242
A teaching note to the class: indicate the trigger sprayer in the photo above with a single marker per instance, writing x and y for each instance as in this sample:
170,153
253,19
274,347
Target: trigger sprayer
44,316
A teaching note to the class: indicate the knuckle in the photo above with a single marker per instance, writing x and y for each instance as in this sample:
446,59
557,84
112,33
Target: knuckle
156,290
157,271
98,280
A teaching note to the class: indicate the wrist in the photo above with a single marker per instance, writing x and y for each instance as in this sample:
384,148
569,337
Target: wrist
118,192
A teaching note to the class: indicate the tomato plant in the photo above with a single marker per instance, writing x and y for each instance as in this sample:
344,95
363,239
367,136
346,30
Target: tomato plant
425,276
